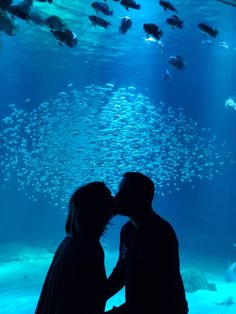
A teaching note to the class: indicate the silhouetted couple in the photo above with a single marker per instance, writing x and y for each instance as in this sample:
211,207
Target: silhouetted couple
148,264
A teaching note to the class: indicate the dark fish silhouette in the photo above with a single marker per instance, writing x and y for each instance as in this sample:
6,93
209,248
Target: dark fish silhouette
125,24
99,21
177,62
230,2
175,21
4,4
55,23
167,6
67,37
153,30
130,4
22,10
205,28
102,7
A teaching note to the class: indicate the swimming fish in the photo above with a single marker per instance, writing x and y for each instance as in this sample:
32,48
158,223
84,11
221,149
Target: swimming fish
4,4
230,2
177,62
153,30
205,28
130,4
224,45
230,103
207,42
99,21
21,10
59,120
175,21
67,37
55,23
110,85
102,7
167,6
125,24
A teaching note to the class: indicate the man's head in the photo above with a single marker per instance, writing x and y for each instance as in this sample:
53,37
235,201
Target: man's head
136,192
90,209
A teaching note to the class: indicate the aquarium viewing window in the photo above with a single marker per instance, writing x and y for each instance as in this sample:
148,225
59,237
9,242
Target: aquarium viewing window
91,90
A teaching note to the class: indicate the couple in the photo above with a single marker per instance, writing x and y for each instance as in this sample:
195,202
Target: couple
148,264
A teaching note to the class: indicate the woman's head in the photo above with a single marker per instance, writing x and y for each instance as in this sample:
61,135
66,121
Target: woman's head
90,209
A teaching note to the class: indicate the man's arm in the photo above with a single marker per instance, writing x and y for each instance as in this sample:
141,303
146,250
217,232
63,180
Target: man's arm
116,280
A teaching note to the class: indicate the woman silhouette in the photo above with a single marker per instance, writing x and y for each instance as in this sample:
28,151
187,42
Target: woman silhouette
76,280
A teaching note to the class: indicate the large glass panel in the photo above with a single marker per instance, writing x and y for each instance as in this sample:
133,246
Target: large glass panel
89,92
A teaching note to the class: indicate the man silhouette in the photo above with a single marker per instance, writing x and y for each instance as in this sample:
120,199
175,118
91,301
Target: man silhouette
148,264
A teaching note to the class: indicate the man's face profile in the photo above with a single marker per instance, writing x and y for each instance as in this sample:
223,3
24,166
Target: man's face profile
124,199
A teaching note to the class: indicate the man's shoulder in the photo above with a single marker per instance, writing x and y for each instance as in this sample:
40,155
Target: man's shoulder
127,227
163,223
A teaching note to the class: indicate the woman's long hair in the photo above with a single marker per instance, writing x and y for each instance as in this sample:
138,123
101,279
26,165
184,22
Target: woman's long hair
89,209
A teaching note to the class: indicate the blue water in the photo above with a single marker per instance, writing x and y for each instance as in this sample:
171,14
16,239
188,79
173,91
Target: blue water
113,86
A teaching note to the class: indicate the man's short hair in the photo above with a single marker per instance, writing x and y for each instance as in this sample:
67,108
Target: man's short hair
141,184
